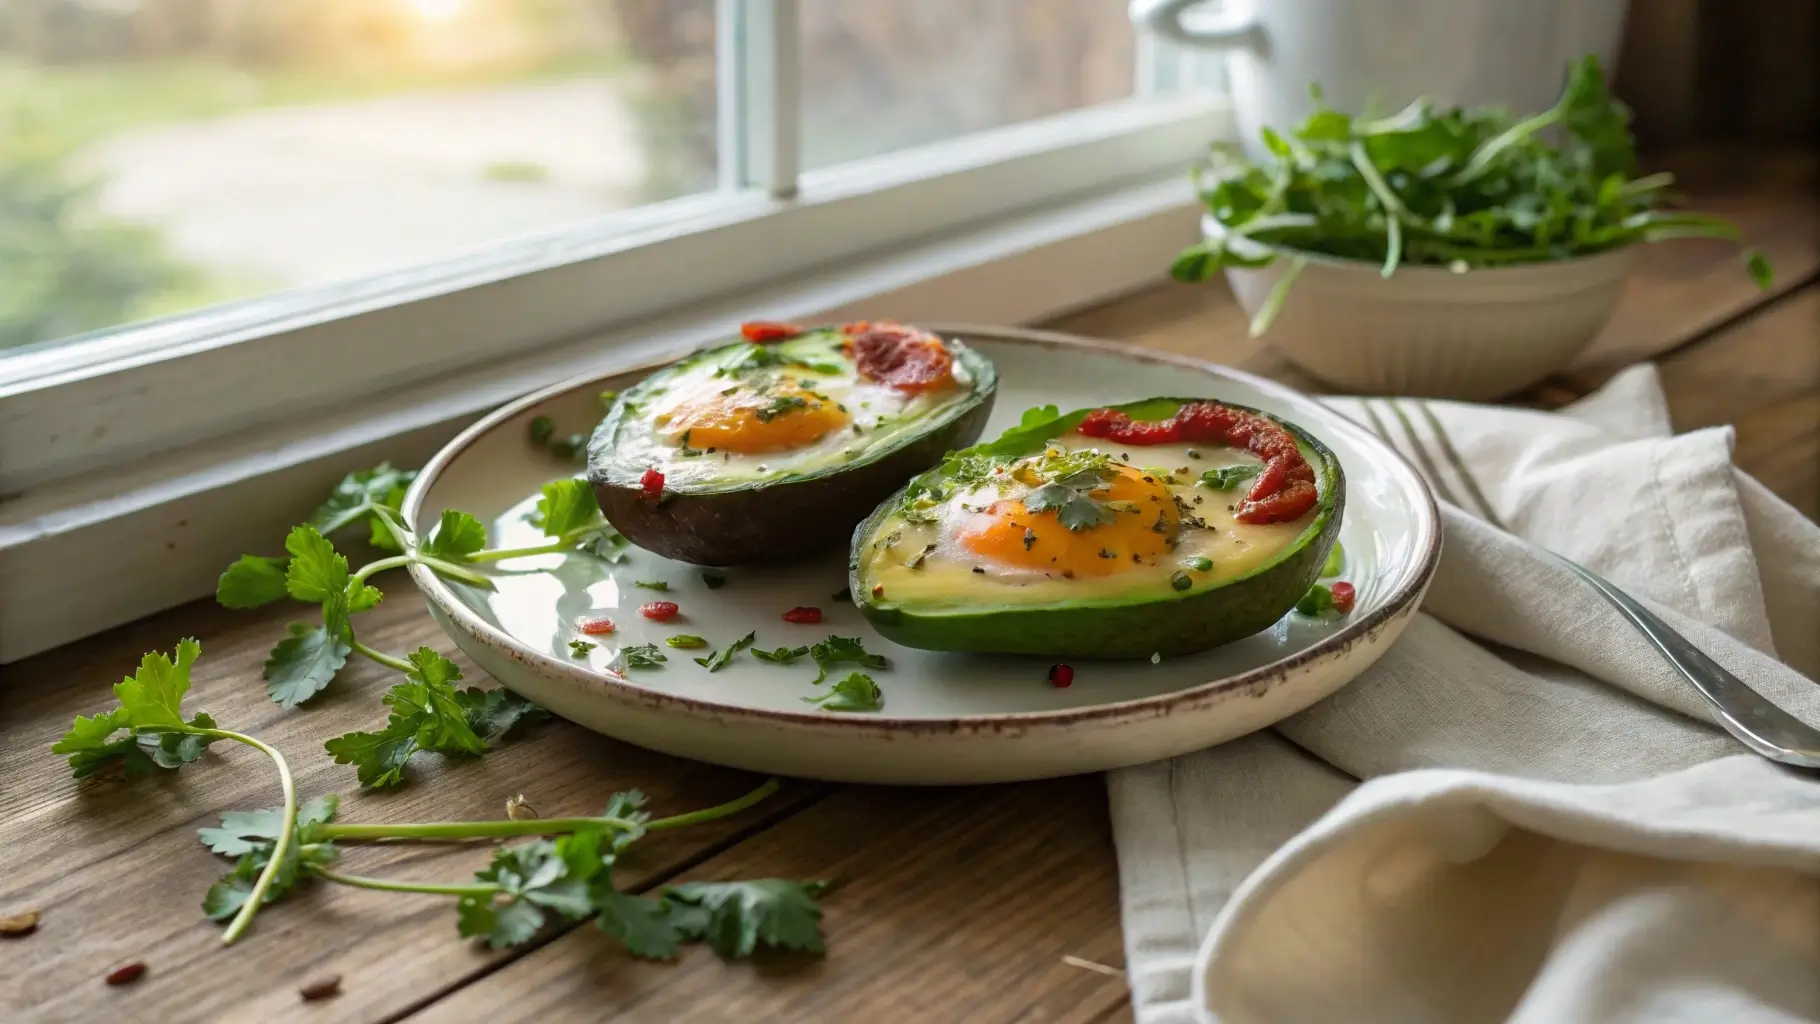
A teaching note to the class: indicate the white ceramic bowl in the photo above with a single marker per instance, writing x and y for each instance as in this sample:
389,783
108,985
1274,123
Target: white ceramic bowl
1472,335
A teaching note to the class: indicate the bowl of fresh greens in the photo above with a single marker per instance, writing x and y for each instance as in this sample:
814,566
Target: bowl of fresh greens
1462,253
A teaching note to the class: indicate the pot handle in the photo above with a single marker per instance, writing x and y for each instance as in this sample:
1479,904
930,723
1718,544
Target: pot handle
1222,30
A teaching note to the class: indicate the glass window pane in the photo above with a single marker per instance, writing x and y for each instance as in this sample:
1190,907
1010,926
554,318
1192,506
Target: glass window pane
160,155
880,75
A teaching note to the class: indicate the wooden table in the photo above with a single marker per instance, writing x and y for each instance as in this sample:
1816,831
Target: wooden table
957,904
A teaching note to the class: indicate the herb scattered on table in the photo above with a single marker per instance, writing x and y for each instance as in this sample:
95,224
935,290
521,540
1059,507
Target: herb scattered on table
857,692
780,656
837,650
1456,188
719,659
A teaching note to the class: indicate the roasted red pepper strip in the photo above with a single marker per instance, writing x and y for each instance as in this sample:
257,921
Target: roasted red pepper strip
1283,491
907,358
652,483
761,331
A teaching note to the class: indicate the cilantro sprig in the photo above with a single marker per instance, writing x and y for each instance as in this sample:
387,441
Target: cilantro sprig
1461,188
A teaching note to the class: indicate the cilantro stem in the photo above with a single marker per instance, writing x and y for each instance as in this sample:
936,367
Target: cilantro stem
393,525
710,813
454,571
556,547
504,827
281,848
394,562
386,885
396,664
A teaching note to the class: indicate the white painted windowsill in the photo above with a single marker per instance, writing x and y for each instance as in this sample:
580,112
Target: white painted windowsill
89,552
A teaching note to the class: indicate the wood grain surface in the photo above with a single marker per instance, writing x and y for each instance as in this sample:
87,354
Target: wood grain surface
956,904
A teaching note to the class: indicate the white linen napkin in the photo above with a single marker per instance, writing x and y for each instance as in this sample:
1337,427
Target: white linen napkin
1551,829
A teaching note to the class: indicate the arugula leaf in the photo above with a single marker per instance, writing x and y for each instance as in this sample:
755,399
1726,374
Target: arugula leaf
457,536
1228,477
780,656
358,496
242,832
736,919
303,663
719,659
252,581
426,714
499,713
643,656
838,649
566,505
857,692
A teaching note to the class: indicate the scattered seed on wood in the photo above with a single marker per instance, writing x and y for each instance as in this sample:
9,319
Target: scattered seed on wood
126,973
1089,965
17,926
518,810
326,987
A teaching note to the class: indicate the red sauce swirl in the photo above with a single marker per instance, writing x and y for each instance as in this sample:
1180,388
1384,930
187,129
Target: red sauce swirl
1284,489
907,358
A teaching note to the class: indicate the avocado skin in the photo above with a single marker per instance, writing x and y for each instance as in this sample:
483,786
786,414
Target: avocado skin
1167,625
788,520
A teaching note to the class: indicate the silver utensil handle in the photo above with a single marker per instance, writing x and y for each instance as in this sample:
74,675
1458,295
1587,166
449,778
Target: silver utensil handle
1745,713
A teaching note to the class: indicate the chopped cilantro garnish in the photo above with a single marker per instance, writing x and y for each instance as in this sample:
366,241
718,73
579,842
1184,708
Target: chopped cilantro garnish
857,692
642,656
686,641
780,656
1227,477
719,659
779,406
652,584
580,648
837,649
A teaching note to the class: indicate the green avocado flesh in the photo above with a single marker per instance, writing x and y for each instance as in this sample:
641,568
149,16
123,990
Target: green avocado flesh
1049,542
772,452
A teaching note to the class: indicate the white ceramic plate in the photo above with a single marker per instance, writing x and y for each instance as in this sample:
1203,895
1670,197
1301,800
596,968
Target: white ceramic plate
947,718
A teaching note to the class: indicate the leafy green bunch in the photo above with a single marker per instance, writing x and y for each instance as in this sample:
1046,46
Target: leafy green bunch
1457,188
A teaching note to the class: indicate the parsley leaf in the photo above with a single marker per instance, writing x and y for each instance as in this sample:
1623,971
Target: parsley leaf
427,714
643,656
737,918
359,495
837,649
781,656
566,505
857,692
303,663
1227,477
719,659
252,581
499,713
457,536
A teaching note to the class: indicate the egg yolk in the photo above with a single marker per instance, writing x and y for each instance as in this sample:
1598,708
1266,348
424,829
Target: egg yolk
1009,534
750,423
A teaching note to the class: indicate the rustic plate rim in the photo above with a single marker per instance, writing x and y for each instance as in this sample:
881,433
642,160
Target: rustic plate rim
1407,592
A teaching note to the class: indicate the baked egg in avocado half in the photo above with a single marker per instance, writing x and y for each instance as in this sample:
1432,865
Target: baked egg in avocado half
1165,526
774,446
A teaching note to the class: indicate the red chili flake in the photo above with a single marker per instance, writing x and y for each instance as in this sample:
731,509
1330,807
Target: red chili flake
761,331
126,973
907,358
803,615
1343,597
596,627
659,611
1061,676
653,483
1283,491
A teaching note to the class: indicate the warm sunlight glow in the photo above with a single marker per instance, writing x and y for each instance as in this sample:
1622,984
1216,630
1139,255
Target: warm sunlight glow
436,10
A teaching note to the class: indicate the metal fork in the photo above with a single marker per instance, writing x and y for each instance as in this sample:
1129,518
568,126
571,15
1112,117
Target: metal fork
1749,716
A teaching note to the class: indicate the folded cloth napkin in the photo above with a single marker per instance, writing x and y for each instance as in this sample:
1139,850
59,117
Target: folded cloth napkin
1550,828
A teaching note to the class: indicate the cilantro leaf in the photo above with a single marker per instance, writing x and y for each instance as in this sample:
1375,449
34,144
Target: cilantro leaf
857,692
225,898
426,714
566,505
252,581
357,497
242,832
628,806
780,656
1073,508
303,663
457,536
153,696
1227,477
317,572
580,648
719,659
642,924
173,750
531,878
91,745
642,656
498,713
737,918
838,649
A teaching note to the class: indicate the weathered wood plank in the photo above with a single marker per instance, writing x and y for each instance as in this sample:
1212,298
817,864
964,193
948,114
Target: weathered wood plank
117,873
953,905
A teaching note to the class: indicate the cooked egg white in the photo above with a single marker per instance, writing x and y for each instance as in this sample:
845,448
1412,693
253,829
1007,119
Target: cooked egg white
985,546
